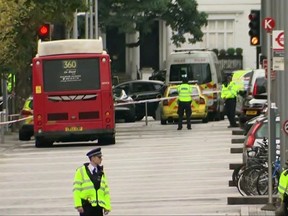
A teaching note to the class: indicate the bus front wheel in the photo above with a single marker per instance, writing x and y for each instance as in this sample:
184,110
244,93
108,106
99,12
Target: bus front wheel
41,143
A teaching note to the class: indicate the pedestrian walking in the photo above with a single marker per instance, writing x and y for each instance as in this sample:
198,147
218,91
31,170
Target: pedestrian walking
90,187
229,93
184,103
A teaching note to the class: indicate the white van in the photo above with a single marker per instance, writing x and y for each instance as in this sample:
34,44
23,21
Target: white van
201,66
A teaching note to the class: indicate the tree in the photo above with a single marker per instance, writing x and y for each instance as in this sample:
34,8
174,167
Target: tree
19,21
138,15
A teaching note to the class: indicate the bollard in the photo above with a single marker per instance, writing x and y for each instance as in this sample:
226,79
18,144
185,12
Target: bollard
2,127
146,113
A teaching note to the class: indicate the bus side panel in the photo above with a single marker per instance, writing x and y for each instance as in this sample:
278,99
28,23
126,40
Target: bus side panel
107,93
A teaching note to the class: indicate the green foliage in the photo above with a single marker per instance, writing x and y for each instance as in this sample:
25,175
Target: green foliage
19,21
222,52
239,51
216,51
231,51
182,16
139,15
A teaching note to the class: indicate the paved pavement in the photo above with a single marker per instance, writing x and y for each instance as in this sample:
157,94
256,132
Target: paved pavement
123,153
255,210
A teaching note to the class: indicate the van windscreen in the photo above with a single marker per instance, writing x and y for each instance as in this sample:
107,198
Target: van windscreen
199,72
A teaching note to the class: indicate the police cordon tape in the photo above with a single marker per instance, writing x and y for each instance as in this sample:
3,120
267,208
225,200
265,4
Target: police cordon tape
116,104
161,99
16,120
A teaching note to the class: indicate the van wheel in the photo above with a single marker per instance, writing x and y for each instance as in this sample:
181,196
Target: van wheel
42,143
106,140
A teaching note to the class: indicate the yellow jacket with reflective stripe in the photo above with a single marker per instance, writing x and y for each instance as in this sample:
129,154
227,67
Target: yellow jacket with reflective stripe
229,91
83,188
184,92
283,183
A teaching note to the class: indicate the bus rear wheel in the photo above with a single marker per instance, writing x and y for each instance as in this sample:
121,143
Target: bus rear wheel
42,143
106,140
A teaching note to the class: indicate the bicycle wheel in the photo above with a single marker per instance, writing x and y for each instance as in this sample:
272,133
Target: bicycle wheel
246,184
263,180
237,173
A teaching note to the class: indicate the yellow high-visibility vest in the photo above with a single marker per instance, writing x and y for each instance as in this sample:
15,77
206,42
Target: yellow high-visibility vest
229,91
184,92
283,183
83,188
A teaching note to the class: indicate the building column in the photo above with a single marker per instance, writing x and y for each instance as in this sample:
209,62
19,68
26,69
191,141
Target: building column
132,56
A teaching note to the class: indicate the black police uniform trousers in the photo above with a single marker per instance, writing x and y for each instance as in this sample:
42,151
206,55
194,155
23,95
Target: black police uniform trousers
230,107
184,107
91,211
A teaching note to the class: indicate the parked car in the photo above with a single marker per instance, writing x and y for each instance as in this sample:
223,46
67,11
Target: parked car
169,107
140,90
26,129
252,108
125,111
257,132
158,75
248,124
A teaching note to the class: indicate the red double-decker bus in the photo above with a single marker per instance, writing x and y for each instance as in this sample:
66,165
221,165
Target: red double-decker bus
72,93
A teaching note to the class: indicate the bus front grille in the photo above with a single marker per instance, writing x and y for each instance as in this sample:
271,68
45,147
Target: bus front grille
89,115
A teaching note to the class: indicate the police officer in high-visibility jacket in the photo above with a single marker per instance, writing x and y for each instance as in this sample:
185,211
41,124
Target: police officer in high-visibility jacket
90,187
229,93
283,193
184,103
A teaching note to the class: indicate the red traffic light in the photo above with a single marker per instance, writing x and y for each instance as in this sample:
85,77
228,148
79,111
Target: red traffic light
44,32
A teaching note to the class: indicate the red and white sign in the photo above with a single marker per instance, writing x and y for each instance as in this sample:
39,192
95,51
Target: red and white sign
285,127
265,66
278,40
268,24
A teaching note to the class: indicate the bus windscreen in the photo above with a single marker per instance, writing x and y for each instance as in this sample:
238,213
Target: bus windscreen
71,74
199,72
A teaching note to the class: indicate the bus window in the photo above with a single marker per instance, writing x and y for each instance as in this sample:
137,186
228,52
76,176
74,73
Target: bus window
71,74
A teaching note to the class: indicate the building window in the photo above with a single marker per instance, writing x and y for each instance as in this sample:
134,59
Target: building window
218,34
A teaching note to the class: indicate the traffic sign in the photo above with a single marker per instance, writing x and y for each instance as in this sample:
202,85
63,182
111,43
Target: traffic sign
285,127
268,24
278,39
265,66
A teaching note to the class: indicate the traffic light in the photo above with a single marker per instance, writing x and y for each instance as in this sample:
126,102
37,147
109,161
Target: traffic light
44,32
254,25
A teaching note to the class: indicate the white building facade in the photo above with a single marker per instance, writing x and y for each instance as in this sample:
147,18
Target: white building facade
227,28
